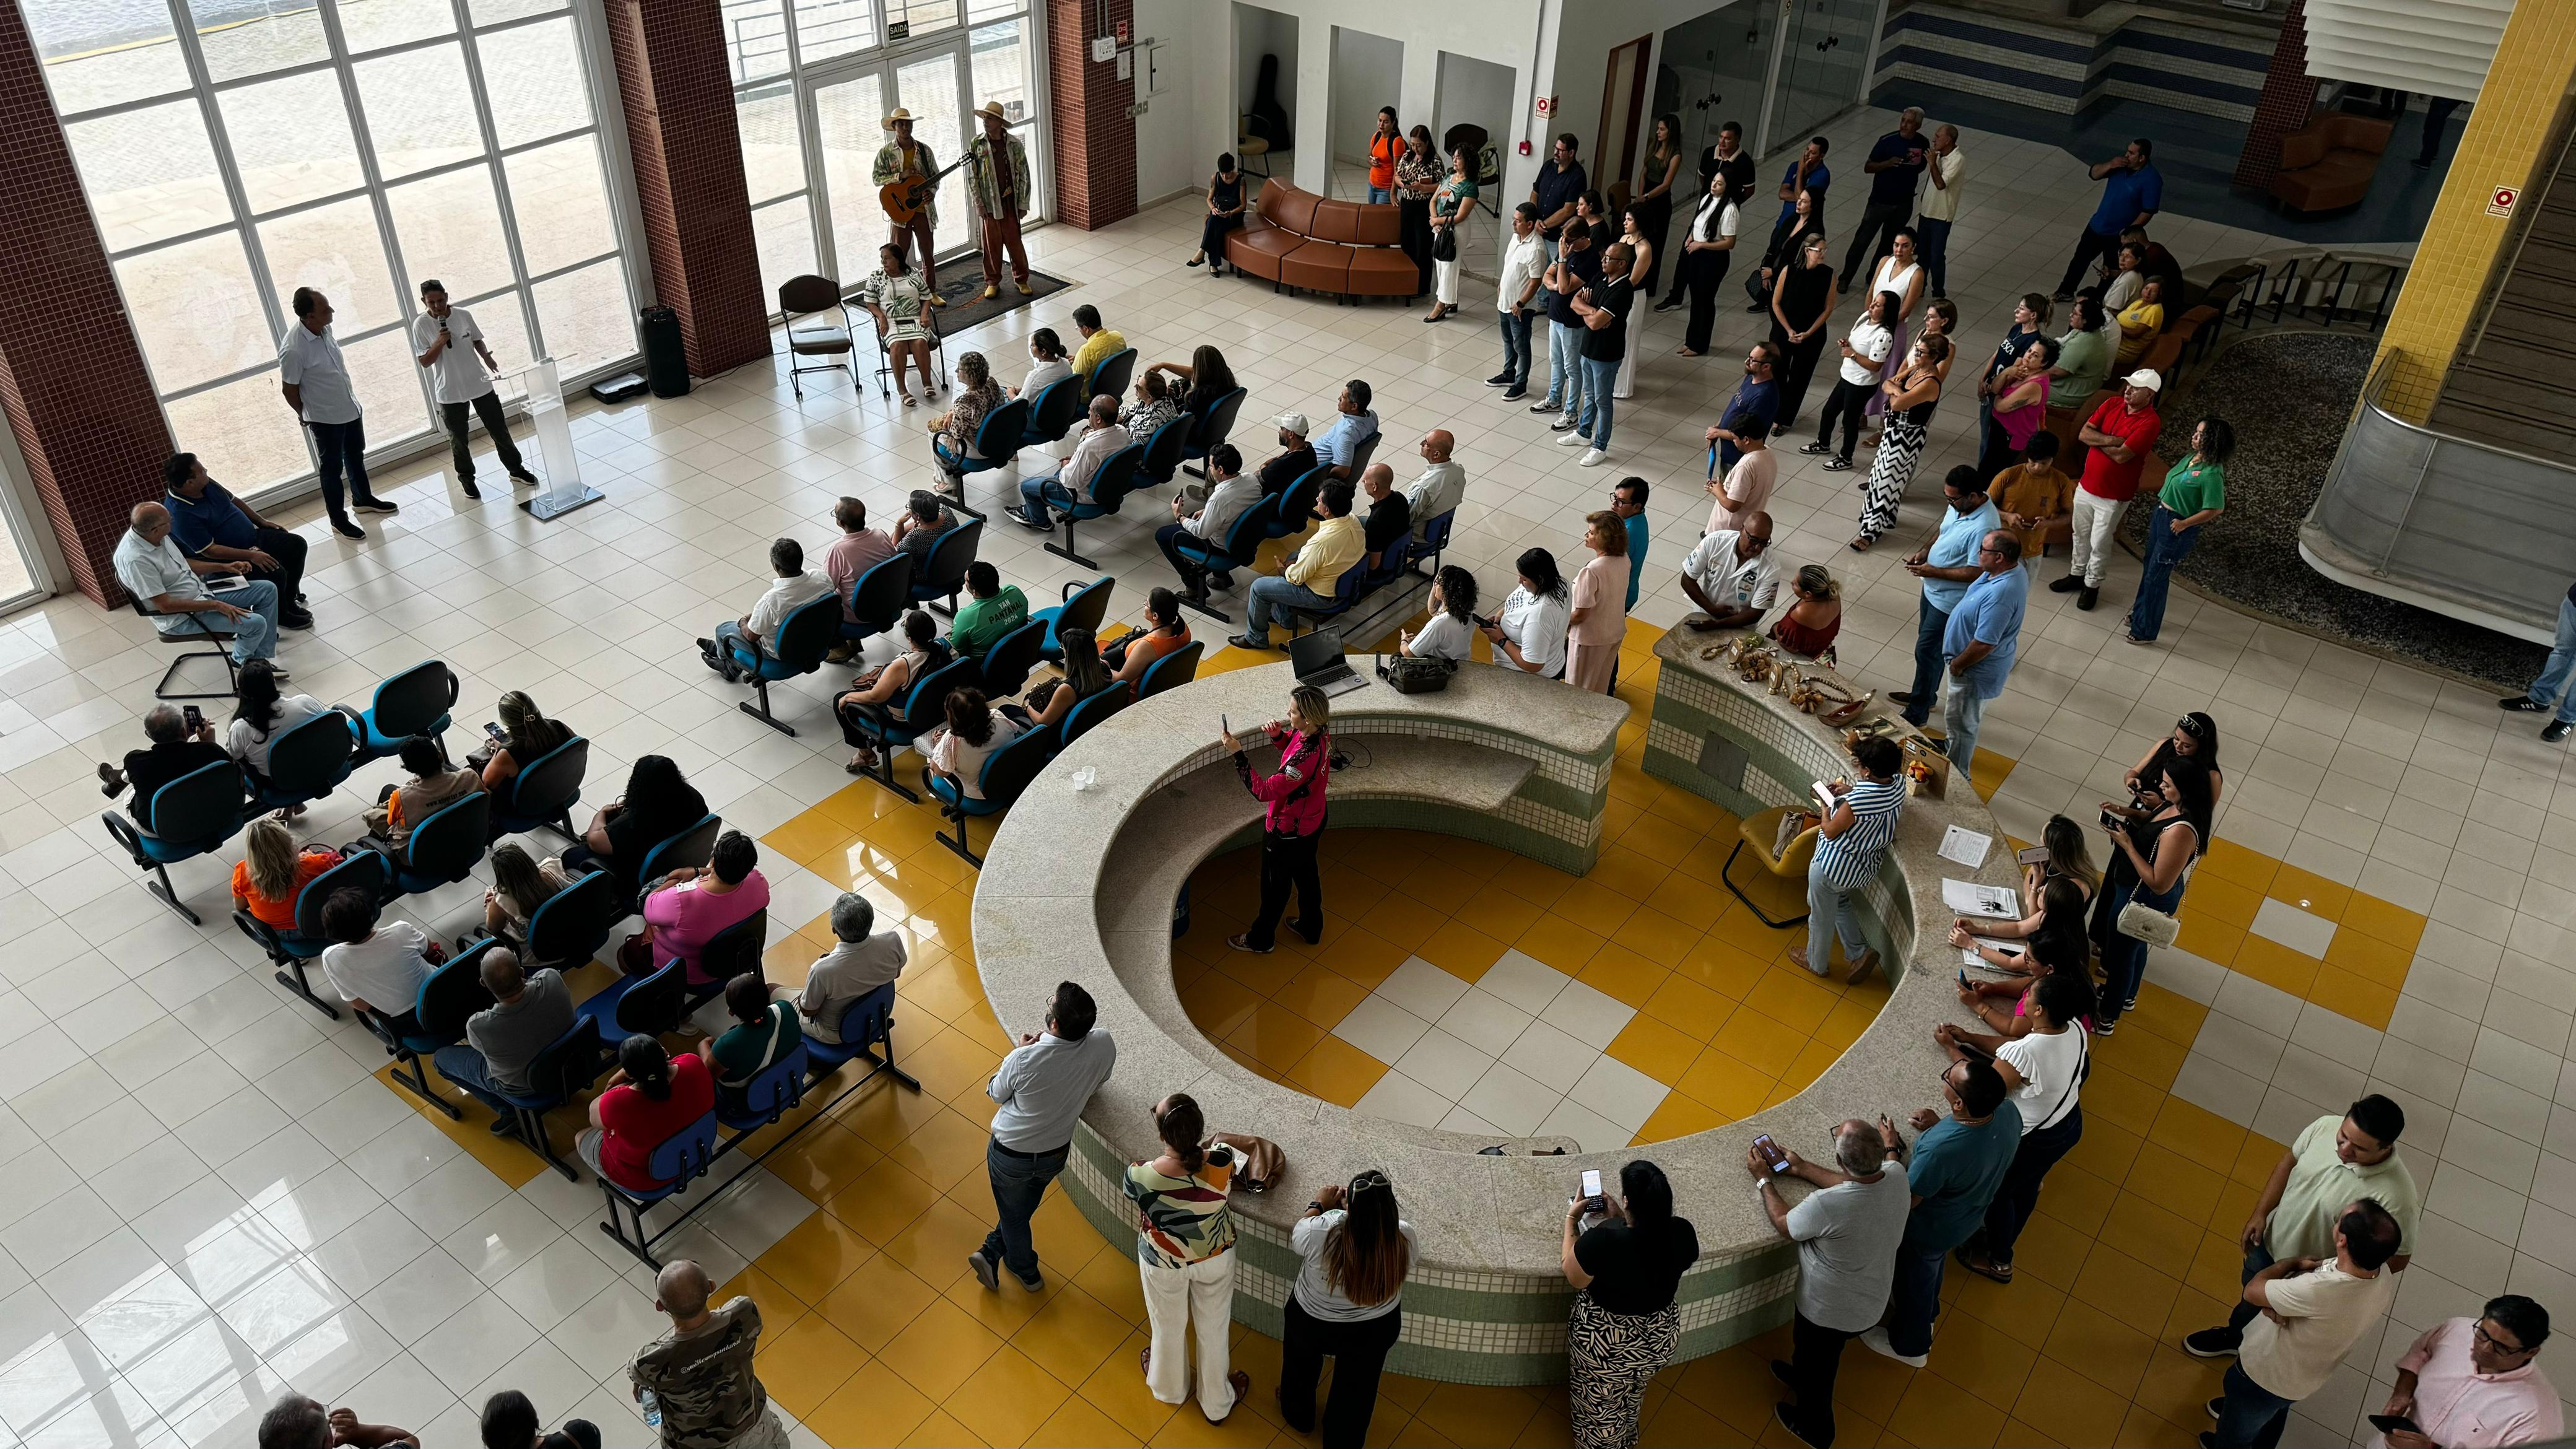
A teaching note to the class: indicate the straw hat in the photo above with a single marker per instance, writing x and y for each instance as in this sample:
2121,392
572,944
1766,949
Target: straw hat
993,110
900,114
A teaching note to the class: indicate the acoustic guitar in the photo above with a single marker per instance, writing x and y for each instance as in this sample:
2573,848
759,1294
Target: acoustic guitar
904,199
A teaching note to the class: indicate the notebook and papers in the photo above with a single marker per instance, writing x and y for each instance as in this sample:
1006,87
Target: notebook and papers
1994,903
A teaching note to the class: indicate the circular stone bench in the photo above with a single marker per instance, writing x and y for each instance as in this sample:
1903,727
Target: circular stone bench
1079,885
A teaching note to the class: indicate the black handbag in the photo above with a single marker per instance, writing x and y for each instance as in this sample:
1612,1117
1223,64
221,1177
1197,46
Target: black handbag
1446,249
1409,675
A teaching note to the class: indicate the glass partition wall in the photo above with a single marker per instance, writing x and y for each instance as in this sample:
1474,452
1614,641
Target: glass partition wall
234,150
814,81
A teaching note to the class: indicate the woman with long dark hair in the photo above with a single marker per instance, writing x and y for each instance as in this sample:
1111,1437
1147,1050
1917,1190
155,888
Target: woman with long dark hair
1348,1302
1417,177
1530,630
1185,1253
2068,860
1803,298
263,712
1205,378
896,297
1856,377
2193,742
1911,396
2154,849
1707,249
656,805
1626,1272
1658,167
2044,1067
2053,939
1224,214
2194,495
1806,218
1450,632
974,731
527,736
1451,205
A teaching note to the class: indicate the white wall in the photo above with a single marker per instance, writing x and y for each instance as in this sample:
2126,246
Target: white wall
1173,151
1368,72
1259,31
1473,91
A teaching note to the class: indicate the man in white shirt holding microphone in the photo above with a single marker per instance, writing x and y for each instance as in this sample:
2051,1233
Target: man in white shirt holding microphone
440,338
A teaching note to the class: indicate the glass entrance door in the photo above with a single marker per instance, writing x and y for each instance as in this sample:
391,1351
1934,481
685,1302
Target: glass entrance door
1824,54
1715,66
848,123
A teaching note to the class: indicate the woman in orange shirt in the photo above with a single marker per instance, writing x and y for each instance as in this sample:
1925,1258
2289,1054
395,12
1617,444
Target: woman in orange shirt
1384,148
272,874
1165,630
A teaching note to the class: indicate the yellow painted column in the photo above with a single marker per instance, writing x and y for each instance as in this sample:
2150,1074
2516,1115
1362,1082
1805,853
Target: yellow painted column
2504,144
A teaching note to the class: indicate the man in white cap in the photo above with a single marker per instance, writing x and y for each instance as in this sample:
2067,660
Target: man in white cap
907,160
997,181
2119,437
1295,458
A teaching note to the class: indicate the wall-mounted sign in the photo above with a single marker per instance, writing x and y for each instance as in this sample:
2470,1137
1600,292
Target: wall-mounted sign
898,30
2500,201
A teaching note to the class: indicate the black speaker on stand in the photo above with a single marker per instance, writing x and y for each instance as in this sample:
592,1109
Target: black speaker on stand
666,358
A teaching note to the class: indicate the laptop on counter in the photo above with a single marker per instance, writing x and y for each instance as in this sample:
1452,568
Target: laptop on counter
1319,662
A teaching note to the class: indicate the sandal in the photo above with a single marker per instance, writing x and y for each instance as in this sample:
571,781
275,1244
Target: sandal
910,401
1984,1267
861,763
1862,543
1684,352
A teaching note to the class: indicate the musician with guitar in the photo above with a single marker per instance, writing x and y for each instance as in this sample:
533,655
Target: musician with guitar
907,177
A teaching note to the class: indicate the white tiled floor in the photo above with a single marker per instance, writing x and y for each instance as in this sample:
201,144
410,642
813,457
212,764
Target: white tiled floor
208,1198
1517,1053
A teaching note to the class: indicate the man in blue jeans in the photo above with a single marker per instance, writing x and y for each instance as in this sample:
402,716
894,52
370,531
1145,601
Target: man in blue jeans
1312,571
2132,192
1577,266
1042,1087
173,586
2309,1312
2550,689
1952,1172
1980,643
2194,495
1602,309
1946,566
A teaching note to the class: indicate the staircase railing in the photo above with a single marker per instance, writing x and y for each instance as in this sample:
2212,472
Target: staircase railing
2466,529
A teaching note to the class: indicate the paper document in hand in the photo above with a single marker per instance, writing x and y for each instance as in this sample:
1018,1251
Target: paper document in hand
1826,799
1966,847
1971,899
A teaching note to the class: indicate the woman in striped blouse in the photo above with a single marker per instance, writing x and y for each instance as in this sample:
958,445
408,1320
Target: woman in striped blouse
1849,846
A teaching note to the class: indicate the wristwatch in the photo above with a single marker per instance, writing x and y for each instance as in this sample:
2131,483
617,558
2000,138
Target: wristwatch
1314,1205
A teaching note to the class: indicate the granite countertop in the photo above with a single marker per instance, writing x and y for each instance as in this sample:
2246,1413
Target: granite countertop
1050,907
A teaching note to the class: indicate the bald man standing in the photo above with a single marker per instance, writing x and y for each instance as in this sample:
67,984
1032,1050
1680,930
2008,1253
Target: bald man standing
173,586
699,1374
1441,486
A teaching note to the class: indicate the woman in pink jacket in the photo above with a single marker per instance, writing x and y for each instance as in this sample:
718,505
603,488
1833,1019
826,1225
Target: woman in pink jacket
1292,821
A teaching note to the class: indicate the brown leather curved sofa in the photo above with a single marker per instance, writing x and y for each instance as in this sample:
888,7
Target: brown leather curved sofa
1302,241
2328,163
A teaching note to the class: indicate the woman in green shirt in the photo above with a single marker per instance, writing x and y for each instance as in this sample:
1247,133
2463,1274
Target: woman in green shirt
2195,492
1451,205
2083,358
768,1032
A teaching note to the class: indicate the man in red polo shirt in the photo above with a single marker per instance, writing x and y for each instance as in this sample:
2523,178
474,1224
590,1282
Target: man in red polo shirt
2119,437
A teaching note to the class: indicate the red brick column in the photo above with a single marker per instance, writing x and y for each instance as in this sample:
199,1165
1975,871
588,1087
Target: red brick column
72,380
678,95
1095,138
2289,94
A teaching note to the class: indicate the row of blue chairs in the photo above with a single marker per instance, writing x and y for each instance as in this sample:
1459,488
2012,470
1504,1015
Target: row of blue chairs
875,604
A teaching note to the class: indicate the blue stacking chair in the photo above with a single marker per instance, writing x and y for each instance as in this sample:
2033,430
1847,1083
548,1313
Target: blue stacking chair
1007,772
191,816
1390,562
944,575
442,850
559,1075
567,930
1213,427
731,952
865,1024
809,631
1087,714
1296,507
1240,547
414,702
543,792
1109,489
1057,408
364,870
878,597
693,846
1111,377
1352,586
773,1092
310,760
999,438
1007,664
1433,542
648,1005
676,1162
452,992
1172,670
923,709
1163,451
1084,606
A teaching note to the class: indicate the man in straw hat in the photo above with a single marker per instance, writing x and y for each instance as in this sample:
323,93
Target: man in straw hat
997,178
904,159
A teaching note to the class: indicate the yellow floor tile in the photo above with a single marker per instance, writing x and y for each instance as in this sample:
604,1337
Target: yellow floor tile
939,1431
1678,1115
1320,995
1935,1411
882,1201
2277,965
2225,902
872,1406
1791,1000
1663,939
1006,1400
1655,1049
1767,1050
2067,1407
2228,860
802,1366
816,1255
939,1351
1727,1084
1689,1008
1336,1071
1274,1036
1463,951
1117,1389
1077,1425
2384,921
2369,957
2345,994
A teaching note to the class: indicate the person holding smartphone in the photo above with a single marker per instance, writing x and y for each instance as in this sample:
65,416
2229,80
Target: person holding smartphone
1850,844
1626,1272
1292,817
2471,1382
1847,1232
2044,1065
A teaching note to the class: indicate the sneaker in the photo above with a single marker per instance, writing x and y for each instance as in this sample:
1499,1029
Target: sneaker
2066,584
524,478
374,505
2105,1025
2212,1343
1500,379
984,1272
2555,731
1780,1412
1024,521
2087,597
1876,1339
1516,393
347,527
1798,958
1906,696
296,619
1566,424
1816,449
2062,297
1035,1282
1543,405
2521,704
1593,458
1838,465
1244,943
470,490
1566,436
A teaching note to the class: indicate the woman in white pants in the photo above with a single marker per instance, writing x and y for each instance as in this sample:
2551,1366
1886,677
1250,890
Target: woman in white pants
1185,1252
1451,205
1643,247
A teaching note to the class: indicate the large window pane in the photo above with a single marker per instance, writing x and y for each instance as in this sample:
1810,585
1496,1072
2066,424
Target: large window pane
450,228
251,37
826,28
561,202
928,88
242,432
373,24
925,15
535,79
505,332
104,55
336,250
978,9
493,12
755,38
772,163
784,232
388,381
588,317
997,57
420,111
291,140
849,121
150,174
196,310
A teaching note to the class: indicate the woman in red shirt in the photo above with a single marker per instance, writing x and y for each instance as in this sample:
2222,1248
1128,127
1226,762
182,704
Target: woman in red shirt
1292,820
651,1098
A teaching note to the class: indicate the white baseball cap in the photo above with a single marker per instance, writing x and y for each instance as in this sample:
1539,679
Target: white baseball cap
2148,378
1293,422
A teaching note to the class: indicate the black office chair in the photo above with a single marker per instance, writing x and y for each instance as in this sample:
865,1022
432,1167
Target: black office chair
193,630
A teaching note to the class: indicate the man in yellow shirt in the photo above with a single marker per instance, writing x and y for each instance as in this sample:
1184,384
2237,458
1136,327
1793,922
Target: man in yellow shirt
1336,544
1099,344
